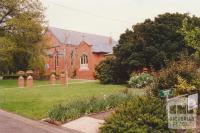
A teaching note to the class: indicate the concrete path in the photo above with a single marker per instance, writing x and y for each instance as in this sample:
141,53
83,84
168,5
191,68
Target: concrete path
12,123
85,124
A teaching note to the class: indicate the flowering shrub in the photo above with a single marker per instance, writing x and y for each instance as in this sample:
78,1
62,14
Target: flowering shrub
141,80
180,75
183,87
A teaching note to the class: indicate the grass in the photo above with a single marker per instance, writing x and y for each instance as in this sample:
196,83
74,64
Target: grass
35,102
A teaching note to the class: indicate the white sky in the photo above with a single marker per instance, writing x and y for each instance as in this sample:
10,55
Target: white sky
111,17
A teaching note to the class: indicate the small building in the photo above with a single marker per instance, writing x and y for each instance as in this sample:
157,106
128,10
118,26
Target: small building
75,52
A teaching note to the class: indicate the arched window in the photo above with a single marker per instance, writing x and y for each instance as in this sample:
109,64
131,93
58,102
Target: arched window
84,62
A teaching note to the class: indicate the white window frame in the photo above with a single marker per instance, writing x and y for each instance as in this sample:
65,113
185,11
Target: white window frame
84,62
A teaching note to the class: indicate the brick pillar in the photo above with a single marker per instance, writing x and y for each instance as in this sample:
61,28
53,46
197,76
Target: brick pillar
52,79
62,78
29,81
21,82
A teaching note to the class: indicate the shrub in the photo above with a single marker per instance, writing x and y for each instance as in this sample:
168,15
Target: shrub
76,109
104,71
167,79
141,80
183,87
138,115
108,71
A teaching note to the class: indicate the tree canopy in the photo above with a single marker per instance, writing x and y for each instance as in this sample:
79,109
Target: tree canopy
191,35
22,23
152,44
6,48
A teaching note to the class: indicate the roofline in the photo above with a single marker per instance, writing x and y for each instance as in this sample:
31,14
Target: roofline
81,32
54,36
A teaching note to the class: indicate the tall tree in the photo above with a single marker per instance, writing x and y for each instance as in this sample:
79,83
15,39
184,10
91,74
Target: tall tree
6,48
191,35
22,22
152,44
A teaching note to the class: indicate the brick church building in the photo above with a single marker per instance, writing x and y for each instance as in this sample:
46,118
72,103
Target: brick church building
75,52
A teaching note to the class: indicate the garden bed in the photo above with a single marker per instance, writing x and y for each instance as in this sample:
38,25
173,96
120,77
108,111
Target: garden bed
93,106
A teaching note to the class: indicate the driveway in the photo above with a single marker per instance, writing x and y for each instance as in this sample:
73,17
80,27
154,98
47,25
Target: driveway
12,123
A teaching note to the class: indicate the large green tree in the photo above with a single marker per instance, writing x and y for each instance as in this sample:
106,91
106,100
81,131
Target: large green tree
22,23
6,48
191,33
152,44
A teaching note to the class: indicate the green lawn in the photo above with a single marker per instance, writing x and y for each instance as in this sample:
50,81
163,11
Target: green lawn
35,102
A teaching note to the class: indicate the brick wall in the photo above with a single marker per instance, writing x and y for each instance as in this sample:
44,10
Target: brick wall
72,59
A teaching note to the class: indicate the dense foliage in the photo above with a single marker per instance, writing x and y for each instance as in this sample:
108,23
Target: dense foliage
22,25
6,51
140,80
180,76
152,44
108,71
104,71
153,41
76,109
191,33
138,115
164,45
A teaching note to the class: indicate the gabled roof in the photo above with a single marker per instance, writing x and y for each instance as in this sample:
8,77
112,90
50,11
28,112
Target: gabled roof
99,43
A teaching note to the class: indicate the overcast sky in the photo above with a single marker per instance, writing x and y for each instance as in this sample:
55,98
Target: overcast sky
111,17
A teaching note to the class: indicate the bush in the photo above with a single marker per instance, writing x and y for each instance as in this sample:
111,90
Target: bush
141,80
183,87
138,115
71,111
168,77
108,71
104,71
